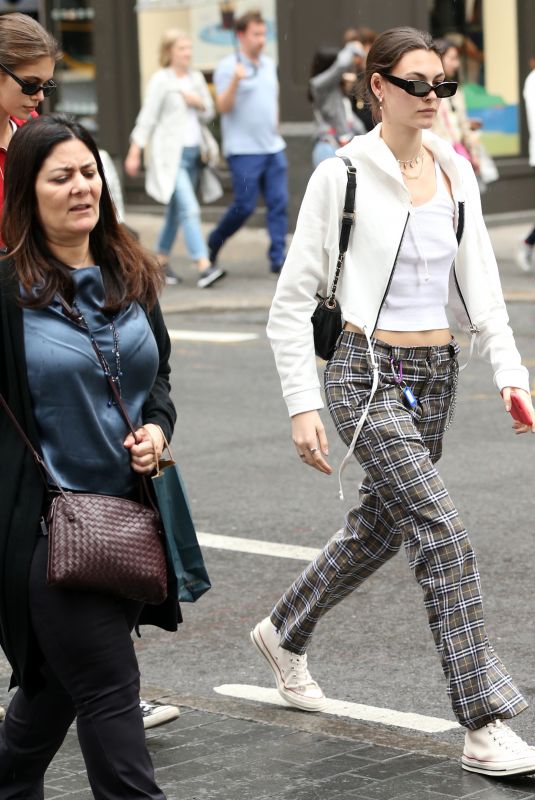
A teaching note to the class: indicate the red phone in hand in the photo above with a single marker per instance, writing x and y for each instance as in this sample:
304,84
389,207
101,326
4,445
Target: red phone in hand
520,409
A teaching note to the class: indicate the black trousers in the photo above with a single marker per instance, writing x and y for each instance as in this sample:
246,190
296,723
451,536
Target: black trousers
92,675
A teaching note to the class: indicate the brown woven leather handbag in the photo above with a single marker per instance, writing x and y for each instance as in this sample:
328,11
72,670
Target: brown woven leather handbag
106,544
99,542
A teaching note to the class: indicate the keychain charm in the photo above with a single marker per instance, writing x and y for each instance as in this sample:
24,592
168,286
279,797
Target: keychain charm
407,395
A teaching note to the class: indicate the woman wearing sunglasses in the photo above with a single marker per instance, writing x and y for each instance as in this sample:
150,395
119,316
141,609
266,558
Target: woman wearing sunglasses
28,55
390,386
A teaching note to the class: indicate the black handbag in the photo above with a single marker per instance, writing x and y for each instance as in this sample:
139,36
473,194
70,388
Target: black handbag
327,317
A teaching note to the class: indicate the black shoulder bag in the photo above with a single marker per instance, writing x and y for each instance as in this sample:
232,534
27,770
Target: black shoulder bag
327,318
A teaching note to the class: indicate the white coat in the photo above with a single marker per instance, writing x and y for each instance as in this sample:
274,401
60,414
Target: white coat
382,209
160,124
529,99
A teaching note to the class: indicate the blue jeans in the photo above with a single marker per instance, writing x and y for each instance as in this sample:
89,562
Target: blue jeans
183,209
321,151
251,174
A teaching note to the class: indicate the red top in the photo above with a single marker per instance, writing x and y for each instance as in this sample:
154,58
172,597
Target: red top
3,153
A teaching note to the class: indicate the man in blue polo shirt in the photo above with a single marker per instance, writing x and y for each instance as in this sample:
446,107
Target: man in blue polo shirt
247,93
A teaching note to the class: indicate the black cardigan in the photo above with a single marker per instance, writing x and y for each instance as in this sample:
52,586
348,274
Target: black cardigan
22,489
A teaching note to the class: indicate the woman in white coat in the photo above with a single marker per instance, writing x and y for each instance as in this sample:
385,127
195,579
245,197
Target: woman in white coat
525,257
177,104
390,386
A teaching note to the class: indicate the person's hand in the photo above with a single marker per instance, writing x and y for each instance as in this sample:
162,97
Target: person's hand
193,100
132,162
310,440
240,72
519,427
150,443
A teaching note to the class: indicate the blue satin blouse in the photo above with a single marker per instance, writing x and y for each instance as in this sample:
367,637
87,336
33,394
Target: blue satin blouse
81,434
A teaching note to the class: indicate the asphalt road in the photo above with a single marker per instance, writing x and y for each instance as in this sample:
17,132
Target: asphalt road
232,443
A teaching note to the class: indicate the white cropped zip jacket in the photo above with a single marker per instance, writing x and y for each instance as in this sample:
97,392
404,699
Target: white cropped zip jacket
382,211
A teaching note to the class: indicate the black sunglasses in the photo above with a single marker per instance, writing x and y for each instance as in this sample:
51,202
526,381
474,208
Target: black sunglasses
29,88
421,88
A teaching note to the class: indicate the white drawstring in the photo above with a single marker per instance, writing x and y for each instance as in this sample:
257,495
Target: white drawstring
415,233
471,353
362,420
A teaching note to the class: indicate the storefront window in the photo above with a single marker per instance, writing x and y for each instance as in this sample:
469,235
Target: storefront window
210,23
486,32
72,24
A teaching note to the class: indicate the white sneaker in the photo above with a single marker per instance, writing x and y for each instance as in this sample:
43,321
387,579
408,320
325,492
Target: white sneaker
525,257
294,681
2,713
157,714
497,750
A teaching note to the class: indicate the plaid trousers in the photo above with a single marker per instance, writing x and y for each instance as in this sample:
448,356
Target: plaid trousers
404,501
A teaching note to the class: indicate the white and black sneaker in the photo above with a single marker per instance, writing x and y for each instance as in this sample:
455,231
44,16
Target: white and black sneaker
171,278
525,256
498,751
155,714
210,275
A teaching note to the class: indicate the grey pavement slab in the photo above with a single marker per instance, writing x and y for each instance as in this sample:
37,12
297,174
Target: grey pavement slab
209,756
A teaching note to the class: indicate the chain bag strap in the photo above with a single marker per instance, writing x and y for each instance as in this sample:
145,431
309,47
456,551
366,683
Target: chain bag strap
327,317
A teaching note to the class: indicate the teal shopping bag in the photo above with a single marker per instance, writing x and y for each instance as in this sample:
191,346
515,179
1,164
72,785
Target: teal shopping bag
183,551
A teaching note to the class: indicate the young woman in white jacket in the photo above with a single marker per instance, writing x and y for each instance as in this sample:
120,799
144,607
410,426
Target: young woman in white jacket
177,104
419,241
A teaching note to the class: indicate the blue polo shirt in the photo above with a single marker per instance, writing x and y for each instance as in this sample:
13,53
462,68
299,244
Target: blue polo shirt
251,127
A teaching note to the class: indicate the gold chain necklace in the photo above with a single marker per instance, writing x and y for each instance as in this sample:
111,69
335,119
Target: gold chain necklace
413,162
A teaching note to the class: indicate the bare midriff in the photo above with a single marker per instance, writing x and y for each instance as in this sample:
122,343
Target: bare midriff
434,338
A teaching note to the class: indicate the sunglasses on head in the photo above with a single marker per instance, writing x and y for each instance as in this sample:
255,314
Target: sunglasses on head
422,88
29,88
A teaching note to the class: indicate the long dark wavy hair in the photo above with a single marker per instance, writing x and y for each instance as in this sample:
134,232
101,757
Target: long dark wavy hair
129,272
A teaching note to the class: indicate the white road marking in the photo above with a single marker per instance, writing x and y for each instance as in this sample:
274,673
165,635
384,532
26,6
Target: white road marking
257,546
218,337
341,708
385,716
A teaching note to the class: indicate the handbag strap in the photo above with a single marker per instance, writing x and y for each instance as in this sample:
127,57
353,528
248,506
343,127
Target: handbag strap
79,320
348,219
36,457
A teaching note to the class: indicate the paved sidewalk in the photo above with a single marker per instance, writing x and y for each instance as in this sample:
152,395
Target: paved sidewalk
209,755
250,285
225,749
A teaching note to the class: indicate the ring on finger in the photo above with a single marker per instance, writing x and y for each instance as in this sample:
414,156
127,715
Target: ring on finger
312,449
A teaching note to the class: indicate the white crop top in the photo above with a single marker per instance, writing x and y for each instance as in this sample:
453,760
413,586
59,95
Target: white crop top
418,293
